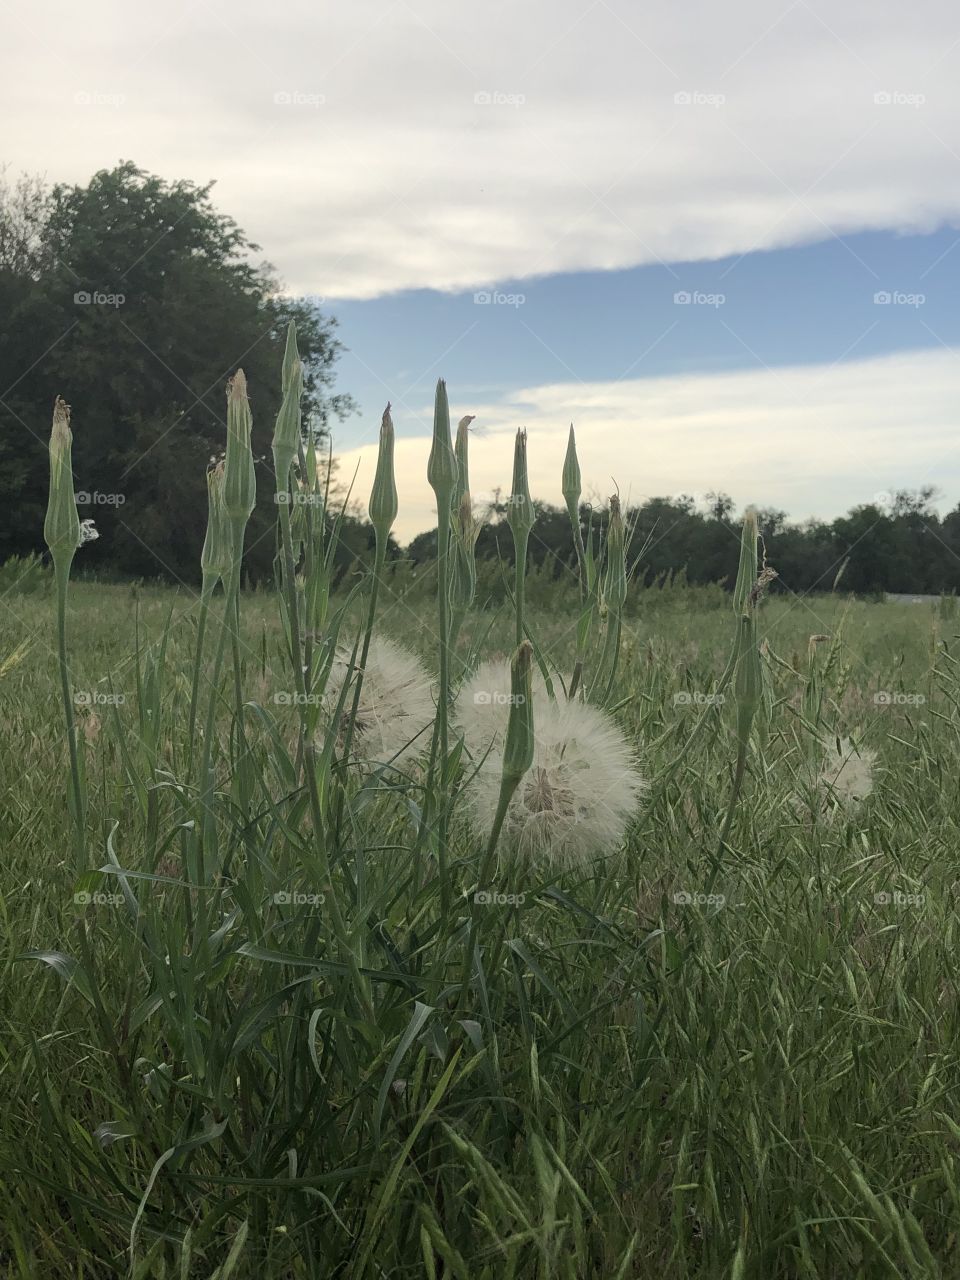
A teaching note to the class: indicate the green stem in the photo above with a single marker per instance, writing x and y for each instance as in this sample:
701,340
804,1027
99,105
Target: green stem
206,591
443,705
79,809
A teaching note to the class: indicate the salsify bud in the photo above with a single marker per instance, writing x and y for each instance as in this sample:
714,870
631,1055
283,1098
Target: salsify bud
748,686
519,741
291,357
61,528
571,484
615,583
442,464
240,478
215,556
747,572
463,584
383,504
461,448
521,515
287,429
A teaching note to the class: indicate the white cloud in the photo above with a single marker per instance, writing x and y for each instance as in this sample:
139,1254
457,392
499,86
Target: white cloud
811,440
381,172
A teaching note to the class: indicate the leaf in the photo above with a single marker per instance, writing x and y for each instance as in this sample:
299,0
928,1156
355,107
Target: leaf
68,968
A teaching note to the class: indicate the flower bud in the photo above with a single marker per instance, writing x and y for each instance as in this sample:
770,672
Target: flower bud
240,479
463,583
747,572
615,583
442,464
748,686
215,556
571,485
461,449
61,528
519,742
286,432
521,515
291,357
383,504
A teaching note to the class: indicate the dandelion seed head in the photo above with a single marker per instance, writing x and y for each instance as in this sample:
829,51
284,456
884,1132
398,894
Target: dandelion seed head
846,773
576,800
483,705
397,703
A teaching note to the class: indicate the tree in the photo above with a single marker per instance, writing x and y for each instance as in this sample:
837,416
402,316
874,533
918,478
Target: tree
135,299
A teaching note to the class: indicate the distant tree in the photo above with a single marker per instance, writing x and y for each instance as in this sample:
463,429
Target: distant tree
135,299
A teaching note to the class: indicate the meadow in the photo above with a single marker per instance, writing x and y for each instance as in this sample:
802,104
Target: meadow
271,1010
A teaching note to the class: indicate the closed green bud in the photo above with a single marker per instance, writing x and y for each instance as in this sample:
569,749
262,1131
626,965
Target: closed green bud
463,584
747,572
61,528
286,432
461,449
215,556
240,478
291,357
571,484
442,464
748,686
615,583
521,515
383,504
518,746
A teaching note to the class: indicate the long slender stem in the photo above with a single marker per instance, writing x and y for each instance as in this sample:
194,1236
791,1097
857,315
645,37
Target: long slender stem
443,704
206,591
79,809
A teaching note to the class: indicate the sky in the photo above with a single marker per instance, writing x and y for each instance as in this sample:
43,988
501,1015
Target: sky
724,241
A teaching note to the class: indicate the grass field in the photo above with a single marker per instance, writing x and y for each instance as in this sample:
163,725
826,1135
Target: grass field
636,1081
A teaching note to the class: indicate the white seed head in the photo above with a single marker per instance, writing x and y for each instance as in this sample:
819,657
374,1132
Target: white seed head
397,703
846,773
575,801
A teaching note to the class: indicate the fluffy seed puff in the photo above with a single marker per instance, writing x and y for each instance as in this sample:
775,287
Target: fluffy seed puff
575,801
846,773
397,705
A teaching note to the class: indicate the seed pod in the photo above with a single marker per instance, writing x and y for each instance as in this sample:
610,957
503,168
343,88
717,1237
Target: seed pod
519,742
442,464
61,528
571,484
240,478
383,503
521,515
291,357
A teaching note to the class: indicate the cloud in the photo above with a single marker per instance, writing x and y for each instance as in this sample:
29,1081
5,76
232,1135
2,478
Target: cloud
390,144
811,440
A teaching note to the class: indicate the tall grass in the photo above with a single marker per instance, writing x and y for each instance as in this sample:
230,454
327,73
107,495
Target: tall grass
279,1023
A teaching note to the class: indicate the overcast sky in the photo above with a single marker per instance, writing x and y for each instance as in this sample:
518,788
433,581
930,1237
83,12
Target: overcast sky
593,159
